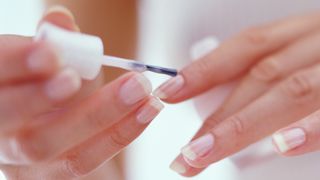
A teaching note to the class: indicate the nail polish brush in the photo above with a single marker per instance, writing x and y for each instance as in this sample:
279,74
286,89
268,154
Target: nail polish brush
84,53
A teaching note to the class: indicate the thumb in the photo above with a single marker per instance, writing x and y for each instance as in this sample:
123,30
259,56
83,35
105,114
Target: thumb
60,16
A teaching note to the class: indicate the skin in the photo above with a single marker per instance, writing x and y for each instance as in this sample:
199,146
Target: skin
25,151
278,67
115,21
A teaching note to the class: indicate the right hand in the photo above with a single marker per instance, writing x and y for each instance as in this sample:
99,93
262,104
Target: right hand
50,126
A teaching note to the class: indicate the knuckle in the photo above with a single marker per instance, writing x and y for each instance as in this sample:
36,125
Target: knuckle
257,35
118,139
298,87
237,125
210,123
73,167
267,71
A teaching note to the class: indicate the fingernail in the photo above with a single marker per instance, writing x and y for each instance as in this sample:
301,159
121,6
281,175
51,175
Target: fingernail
60,9
40,60
198,148
289,139
169,88
135,89
178,167
150,111
64,85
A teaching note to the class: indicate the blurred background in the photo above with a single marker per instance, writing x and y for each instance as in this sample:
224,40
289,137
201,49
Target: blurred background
150,155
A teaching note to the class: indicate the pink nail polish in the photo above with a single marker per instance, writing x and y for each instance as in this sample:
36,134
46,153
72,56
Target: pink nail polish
178,167
64,85
135,89
289,139
170,88
150,111
198,148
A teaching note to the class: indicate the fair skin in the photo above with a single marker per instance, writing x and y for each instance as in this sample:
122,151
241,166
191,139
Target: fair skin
115,22
55,125
277,65
278,93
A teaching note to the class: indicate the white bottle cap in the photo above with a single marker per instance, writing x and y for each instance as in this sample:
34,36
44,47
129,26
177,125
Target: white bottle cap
80,51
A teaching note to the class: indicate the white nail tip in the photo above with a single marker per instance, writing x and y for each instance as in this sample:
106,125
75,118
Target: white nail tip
281,143
189,153
170,88
150,111
157,104
158,93
145,83
177,167
59,8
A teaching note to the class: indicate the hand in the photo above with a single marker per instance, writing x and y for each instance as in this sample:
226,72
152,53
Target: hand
278,65
51,127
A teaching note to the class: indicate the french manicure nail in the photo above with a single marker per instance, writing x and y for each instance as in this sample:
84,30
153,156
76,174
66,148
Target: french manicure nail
135,89
289,139
178,167
198,148
64,85
150,111
170,88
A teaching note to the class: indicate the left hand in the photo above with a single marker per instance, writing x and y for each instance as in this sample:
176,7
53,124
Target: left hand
279,68
58,133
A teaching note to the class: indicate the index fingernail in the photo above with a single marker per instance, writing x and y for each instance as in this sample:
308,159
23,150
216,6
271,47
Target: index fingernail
170,88
198,148
135,89
150,111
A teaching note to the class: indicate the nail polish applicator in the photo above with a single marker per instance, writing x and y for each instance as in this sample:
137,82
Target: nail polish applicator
85,54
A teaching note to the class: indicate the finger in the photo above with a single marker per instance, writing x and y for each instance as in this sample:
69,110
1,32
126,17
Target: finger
60,16
89,155
83,120
273,69
235,57
265,75
299,138
179,165
21,60
262,77
286,103
20,103
63,17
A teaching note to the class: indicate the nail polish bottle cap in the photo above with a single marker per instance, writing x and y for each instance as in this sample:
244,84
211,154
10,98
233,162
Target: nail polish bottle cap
82,52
